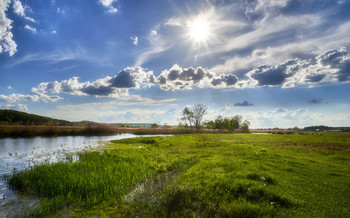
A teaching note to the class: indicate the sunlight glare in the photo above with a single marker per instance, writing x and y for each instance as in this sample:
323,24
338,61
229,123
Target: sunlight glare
199,29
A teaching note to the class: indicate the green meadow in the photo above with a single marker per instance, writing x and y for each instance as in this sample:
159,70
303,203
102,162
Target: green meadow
197,175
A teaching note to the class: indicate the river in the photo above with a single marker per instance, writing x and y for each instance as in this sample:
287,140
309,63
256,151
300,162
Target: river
21,153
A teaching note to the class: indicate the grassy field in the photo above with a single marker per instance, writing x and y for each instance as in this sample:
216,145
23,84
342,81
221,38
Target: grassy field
205,175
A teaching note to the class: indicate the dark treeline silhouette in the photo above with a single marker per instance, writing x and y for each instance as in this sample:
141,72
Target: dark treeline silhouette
12,117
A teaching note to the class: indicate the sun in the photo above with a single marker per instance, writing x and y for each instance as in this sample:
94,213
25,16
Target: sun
199,29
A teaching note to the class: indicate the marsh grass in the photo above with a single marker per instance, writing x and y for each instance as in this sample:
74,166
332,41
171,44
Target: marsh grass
30,131
201,175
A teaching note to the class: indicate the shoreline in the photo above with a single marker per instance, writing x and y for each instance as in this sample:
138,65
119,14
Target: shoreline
16,131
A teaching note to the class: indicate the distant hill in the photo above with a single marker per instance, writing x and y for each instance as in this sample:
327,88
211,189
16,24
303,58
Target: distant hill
132,125
326,128
12,117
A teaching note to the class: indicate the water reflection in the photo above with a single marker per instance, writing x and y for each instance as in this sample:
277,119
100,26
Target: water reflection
21,153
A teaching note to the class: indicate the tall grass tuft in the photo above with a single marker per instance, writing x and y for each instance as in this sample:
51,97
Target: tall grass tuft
97,178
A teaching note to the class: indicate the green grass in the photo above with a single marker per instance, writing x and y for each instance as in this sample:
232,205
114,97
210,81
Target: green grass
205,175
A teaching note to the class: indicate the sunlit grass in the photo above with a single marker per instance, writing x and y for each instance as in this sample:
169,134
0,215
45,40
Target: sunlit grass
202,175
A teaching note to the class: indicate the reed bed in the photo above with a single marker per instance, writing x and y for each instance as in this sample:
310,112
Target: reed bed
30,131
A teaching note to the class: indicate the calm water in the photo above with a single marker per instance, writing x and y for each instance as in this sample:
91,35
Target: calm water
20,153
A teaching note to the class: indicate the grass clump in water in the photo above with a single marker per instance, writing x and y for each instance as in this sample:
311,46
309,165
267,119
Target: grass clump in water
96,179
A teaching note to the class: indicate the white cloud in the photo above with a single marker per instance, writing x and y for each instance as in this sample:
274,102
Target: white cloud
116,86
278,31
55,56
135,40
35,98
154,33
175,31
32,29
7,44
53,32
158,44
20,10
271,35
9,87
177,78
329,66
182,78
18,97
20,107
108,4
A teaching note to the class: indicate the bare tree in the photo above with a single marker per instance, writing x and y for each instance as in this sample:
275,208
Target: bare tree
198,111
194,116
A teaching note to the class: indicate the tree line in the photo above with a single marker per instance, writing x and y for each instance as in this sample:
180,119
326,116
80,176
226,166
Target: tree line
193,118
12,117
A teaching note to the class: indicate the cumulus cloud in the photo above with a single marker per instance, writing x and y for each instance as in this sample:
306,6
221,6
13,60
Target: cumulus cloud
133,77
116,86
225,80
243,104
7,44
266,75
275,31
182,78
329,66
19,107
18,97
109,5
337,61
185,78
35,98
20,10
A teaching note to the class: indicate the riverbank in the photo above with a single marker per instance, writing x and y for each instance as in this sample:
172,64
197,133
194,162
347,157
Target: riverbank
92,130
106,129
199,175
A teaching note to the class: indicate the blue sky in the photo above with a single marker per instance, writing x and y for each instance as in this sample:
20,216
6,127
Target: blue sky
279,63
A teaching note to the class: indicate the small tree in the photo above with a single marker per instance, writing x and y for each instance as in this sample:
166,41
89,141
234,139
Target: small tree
187,118
154,125
233,123
193,117
198,111
209,124
219,122
245,126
